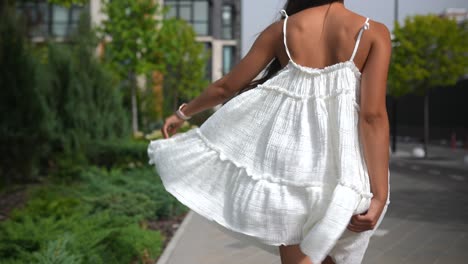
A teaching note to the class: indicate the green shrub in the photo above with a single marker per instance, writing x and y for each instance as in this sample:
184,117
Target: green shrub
98,218
118,153
55,102
140,188
55,201
125,203
23,114
57,252
133,243
145,180
83,97
102,237
68,168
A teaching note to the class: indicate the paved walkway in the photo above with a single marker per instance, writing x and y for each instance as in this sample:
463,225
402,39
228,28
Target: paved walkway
427,220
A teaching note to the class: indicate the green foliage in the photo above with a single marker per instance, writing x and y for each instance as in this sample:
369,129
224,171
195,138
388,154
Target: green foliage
140,43
166,205
132,27
117,153
184,63
57,252
135,241
68,3
82,95
95,220
23,113
137,187
429,51
56,101
125,203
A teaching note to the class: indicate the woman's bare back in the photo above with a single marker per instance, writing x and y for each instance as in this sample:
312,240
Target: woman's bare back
325,35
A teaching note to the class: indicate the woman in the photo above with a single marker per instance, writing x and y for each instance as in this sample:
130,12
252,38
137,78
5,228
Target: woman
296,162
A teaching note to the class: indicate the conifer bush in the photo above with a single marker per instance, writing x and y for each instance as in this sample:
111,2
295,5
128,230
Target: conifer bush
97,219
23,113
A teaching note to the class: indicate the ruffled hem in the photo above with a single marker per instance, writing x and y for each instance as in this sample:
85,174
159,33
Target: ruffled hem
249,171
261,209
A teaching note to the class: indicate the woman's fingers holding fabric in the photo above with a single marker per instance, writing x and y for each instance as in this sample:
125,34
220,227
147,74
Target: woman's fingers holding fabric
369,219
164,129
355,228
360,223
171,125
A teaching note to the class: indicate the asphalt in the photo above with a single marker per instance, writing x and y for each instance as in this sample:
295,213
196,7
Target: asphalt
426,222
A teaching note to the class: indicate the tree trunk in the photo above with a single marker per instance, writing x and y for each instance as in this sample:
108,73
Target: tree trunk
134,104
426,124
175,100
158,78
394,121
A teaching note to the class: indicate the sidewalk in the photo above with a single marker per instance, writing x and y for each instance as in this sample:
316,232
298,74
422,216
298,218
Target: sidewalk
438,155
197,241
426,221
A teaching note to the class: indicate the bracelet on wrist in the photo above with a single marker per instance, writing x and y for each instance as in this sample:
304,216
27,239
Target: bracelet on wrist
181,114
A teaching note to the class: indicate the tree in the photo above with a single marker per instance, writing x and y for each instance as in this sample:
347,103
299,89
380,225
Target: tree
68,3
183,62
81,94
131,28
429,51
23,113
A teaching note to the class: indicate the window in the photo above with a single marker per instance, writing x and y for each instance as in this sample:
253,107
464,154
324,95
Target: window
227,22
36,15
228,59
45,20
195,12
60,21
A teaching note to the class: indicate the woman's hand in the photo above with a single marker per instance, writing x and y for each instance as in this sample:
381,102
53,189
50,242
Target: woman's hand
367,220
171,125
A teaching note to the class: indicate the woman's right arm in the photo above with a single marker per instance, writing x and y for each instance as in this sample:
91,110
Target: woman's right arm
374,125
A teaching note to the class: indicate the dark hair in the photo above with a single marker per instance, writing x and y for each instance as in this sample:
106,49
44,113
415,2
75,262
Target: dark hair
292,7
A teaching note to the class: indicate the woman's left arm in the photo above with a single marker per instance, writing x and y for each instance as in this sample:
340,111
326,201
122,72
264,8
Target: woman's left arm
262,52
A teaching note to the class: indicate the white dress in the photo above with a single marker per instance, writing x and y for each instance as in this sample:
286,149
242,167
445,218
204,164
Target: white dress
280,164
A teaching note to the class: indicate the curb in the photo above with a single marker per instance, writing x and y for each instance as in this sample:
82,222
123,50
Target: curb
164,259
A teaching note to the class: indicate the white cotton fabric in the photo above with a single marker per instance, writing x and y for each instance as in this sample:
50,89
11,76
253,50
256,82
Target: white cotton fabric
280,164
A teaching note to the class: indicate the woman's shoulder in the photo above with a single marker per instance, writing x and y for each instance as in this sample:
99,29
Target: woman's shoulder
377,30
379,34
273,33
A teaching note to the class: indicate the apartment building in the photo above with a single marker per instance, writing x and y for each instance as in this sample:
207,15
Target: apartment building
459,14
46,21
216,22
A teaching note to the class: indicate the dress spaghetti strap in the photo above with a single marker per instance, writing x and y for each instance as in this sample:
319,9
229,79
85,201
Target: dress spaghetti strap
284,14
364,27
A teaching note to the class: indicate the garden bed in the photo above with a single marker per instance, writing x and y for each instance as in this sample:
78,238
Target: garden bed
116,216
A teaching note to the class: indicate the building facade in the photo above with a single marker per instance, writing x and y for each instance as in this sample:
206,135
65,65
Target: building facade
459,14
216,22
218,25
48,21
